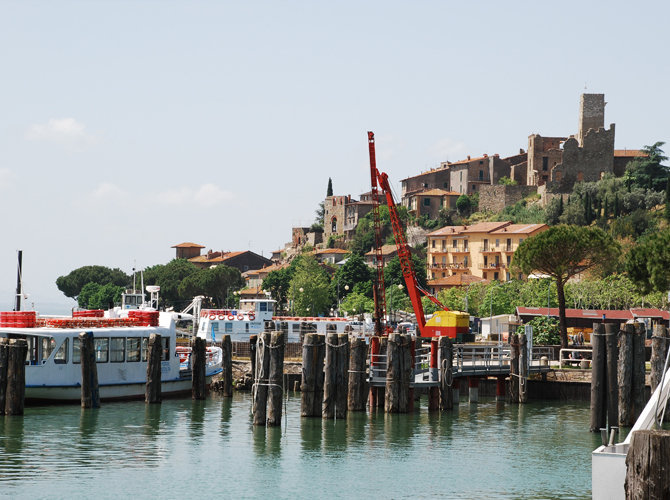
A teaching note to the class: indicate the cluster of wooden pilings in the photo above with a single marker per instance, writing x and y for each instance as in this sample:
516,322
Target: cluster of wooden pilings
618,372
267,367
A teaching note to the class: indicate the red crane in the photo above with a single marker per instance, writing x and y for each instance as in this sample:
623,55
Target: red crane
413,288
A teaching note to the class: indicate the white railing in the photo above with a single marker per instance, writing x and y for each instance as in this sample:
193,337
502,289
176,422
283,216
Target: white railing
562,361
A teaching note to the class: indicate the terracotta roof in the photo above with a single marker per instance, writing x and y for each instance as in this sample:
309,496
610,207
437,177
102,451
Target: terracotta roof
220,257
485,227
386,250
595,314
520,229
264,270
632,153
456,280
330,250
446,166
188,245
256,290
447,230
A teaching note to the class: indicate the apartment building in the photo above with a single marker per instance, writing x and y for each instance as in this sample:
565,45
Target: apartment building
483,250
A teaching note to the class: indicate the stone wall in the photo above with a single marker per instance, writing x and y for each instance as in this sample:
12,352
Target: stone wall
496,198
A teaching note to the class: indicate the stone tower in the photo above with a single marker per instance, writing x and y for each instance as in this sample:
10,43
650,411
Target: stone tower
591,114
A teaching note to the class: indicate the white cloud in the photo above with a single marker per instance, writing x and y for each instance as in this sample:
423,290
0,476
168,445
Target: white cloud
207,195
449,150
108,191
65,132
6,178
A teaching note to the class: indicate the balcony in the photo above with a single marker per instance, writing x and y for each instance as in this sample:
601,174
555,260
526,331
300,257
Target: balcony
457,251
494,266
490,250
439,251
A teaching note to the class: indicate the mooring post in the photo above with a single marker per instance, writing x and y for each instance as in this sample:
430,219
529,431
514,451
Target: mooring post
16,377
500,389
261,379
374,360
514,369
658,352
398,373
342,375
639,369
277,342
446,357
434,392
4,360
253,342
227,365
198,364
410,373
647,465
331,376
625,375
152,389
357,358
90,397
612,355
473,389
598,379
523,369
313,353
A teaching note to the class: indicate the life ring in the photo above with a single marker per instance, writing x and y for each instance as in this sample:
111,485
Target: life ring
231,317
240,317
222,316
252,316
212,316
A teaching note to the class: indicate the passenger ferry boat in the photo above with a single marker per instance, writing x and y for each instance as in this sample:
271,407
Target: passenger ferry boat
53,365
250,317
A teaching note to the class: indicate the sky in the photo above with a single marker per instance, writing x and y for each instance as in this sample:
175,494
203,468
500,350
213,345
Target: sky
127,127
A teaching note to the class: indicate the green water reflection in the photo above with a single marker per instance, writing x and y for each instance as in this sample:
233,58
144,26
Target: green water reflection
210,448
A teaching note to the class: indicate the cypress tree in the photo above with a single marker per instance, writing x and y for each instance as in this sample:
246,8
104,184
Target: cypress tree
329,191
560,206
616,205
606,211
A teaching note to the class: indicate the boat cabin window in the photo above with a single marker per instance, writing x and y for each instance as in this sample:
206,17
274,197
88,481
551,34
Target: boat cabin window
265,306
246,327
101,349
116,349
295,327
166,348
228,327
60,358
133,345
76,350
48,346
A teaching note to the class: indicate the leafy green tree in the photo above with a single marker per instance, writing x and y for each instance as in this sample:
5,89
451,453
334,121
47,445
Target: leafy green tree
278,283
563,252
353,272
96,296
72,284
506,181
545,330
356,303
315,298
463,204
215,282
647,171
169,276
393,271
648,263
320,214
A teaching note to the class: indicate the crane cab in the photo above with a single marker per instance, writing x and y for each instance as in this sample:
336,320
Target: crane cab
451,324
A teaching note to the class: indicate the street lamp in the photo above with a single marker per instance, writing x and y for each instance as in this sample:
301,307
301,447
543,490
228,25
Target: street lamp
346,289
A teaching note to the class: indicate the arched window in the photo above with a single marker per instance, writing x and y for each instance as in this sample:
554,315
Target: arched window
333,225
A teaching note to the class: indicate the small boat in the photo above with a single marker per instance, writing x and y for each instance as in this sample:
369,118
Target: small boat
249,319
53,367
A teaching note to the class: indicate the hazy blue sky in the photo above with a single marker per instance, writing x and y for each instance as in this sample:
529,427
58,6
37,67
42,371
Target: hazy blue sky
129,126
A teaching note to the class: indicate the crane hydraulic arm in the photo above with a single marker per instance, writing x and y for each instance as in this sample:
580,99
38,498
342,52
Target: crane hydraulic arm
405,256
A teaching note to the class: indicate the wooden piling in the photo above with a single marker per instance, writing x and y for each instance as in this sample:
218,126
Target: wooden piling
374,360
625,375
313,353
227,365
152,389
523,369
268,325
398,374
659,346
4,359
90,396
198,364
445,358
342,377
612,355
261,379
639,370
277,342
434,392
598,379
500,389
514,369
647,465
473,389
253,342
330,376
358,351
16,377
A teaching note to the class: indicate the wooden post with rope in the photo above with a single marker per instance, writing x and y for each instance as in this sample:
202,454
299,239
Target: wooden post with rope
261,379
90,396
198,362
446,358
152,390
598,378
276,373
625,375
227,365
313,352
523,369
514,369
357,357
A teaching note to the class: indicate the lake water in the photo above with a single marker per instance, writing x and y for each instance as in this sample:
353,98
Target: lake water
207,449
